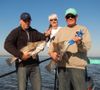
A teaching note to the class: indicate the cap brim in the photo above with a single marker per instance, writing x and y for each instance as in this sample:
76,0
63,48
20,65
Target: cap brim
26,20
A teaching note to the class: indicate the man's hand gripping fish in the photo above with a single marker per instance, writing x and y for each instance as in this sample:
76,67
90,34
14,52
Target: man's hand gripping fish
62,50
32,48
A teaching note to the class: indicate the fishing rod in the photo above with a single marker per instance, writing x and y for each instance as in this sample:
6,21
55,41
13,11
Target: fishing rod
6,74
44,60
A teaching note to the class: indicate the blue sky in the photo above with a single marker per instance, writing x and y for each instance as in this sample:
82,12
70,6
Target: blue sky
88,12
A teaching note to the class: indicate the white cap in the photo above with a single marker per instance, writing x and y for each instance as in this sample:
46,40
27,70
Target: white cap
52,16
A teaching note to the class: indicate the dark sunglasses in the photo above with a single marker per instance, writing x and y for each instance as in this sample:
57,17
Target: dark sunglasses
53,19
70,16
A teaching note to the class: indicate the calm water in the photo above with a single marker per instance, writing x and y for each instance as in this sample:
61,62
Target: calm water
10,82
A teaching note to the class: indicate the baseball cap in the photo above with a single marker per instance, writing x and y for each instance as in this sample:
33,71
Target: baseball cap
25,16
71,11
53,16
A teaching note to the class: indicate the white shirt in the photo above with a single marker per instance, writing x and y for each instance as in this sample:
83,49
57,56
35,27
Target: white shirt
53,33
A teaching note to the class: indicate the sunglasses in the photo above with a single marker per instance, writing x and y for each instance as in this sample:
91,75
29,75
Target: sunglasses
53,19
70,16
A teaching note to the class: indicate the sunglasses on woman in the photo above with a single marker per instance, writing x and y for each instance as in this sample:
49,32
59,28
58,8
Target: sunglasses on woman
53,19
